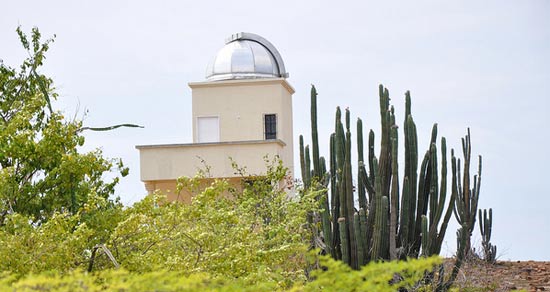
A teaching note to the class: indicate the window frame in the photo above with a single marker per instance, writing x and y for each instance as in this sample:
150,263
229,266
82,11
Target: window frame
265,115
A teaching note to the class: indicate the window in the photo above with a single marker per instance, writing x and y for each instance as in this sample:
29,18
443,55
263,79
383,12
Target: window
270,126
208,129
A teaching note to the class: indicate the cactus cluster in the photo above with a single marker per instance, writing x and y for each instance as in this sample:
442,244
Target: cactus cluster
381,217
465,208
485,228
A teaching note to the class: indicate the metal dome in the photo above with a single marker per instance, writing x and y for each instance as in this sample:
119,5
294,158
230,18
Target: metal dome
246,56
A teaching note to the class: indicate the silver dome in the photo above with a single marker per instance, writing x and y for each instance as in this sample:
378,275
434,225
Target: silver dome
246,56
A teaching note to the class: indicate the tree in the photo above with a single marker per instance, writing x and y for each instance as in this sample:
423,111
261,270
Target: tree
257,235
41,169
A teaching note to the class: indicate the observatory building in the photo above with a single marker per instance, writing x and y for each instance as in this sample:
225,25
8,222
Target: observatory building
241,112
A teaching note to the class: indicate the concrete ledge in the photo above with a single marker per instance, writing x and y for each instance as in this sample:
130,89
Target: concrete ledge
170,161
244,82
277,141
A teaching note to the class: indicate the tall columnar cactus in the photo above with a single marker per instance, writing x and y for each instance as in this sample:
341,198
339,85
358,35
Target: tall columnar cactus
348,189
308,168
437,202
466,198
305,164
485,228
379,222
361,258
371,159
344,239
335,201
409,198
314,135
423,195
394,196
384,160
319,175
361,172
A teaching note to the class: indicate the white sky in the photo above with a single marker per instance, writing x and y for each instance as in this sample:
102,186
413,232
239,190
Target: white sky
478,64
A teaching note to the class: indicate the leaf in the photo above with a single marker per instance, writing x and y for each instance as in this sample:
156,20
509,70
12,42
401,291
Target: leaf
44,90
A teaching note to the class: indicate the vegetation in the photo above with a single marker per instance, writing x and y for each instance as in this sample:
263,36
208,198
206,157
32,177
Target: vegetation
60,229
485,228
41,170
334,277
391,222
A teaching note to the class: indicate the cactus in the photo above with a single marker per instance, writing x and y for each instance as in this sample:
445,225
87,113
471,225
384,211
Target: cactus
485,228
466,199
314,134
393,221
410,178
344,240
379,242
335,201
363,238
361,259
394,199
307,180
361,183
423,195
325,212
447,217
425,236
371,159
319,175
303,162
348,191
384,160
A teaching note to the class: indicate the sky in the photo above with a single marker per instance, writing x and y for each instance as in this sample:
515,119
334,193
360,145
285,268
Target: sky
478,64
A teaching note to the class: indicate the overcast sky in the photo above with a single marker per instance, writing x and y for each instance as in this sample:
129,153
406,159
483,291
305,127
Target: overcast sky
478,64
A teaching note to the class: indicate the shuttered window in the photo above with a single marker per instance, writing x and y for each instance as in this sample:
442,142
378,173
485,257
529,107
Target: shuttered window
208,129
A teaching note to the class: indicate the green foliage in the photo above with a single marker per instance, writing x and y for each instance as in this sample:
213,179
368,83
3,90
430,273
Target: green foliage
335,276
41,170
61,243
122,280
258,234
254,240
382,276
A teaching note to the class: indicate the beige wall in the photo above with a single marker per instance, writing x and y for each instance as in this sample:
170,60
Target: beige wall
168,188
168,162
241,105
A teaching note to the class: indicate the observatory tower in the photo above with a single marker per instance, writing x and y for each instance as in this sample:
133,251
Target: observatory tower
241,112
